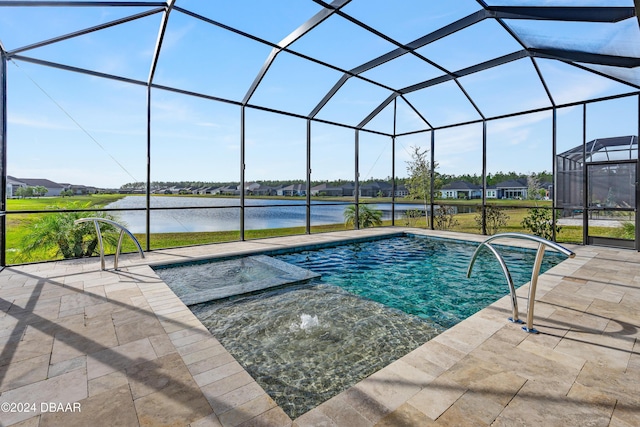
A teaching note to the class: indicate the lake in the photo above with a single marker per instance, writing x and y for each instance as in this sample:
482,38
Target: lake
224,213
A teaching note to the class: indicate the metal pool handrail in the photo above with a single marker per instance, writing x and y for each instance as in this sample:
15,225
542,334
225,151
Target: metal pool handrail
542,243
96,222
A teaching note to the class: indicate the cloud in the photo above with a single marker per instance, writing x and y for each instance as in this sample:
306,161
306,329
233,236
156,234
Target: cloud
174,34
37,122
587,86
208,124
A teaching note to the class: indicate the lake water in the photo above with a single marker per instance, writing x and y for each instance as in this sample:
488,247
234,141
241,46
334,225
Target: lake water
224,214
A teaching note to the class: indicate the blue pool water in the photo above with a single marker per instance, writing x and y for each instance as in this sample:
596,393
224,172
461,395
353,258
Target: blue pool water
422,276
375,302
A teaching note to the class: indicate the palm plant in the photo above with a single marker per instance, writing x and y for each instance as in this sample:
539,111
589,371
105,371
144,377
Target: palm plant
367,217
58,232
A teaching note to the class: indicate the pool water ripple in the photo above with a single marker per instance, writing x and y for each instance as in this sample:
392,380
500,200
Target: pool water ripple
313,341
375,302
425,277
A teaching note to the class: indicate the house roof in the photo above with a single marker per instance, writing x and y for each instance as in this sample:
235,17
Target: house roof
376,185
325,187
12,180
34,182
516,183
296,187
461,185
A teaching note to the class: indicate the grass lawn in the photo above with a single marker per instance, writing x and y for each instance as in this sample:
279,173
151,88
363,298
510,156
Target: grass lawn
20,224
466,223
48,203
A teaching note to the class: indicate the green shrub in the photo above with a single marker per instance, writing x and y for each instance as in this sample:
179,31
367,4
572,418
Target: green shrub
628,230
538,222
444,218
411,217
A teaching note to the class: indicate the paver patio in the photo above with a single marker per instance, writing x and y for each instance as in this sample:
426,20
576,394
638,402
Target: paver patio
129,352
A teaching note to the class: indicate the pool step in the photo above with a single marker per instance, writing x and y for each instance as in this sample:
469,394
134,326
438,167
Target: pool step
229,278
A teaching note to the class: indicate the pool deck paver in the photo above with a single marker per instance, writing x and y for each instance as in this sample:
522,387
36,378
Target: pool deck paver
129,352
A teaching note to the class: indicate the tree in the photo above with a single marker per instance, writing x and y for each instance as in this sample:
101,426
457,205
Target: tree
40,190
367,217
533,187
57,232
495,218
29,191
24,192
419,182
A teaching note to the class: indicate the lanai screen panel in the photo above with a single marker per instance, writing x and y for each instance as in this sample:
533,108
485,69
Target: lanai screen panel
384,69
571,163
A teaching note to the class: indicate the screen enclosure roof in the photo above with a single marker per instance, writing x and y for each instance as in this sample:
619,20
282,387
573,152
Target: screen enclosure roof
390,67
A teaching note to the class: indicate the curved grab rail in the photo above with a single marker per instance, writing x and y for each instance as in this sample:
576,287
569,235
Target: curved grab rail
542,243
96,223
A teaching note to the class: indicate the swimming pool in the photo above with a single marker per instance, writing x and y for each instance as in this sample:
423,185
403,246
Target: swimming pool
423,276
374,302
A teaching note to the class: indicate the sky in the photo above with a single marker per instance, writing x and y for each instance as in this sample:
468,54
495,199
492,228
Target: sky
82,129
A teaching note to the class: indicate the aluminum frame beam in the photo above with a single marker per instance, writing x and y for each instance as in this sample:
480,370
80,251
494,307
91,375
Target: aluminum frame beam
377,110
402,50
561,13
586,57
582,14
295,35
152,71
466,71
160,39
54,3
3,155
88,30
558,54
